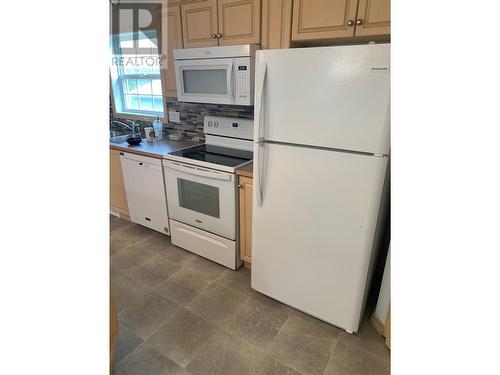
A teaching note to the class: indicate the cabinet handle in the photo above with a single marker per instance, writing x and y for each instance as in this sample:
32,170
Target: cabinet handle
359,21
240,186
214,36
219,35
350,23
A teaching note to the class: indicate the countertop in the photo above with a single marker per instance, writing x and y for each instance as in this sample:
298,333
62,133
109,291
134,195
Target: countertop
156,149
246,171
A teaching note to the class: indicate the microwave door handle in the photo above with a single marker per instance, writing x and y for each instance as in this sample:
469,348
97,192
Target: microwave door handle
232,81
199,171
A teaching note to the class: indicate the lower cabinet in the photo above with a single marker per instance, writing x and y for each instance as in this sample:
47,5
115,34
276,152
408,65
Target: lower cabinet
145,189
246,191
117,194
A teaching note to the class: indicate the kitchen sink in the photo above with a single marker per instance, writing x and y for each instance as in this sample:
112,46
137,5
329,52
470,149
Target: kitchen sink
119,131
116,133
120,138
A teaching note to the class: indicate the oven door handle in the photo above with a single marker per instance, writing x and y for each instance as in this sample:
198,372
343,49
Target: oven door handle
199,171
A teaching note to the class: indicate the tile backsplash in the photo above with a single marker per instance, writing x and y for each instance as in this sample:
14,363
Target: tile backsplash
192,114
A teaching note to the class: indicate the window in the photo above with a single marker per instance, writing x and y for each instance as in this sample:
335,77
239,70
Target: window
135,74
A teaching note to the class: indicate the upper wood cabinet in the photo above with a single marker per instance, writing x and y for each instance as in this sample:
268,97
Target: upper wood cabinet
117,194
199,24
221,22
276,23
374,17
239,21
171,38
330,19
323,19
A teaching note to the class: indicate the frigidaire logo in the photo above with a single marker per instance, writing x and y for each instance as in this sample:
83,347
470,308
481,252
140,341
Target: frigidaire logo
379,68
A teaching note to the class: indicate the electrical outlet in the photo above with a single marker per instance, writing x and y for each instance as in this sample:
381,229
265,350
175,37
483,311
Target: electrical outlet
174,116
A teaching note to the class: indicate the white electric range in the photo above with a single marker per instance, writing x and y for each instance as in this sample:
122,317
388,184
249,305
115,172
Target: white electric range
202,190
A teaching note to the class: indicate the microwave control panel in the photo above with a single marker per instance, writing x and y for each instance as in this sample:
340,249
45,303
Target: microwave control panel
242,74
244,80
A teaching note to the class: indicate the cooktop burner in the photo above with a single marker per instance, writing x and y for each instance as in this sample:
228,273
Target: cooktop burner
229,157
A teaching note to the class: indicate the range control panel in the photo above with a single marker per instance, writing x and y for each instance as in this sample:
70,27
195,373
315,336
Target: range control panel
228,127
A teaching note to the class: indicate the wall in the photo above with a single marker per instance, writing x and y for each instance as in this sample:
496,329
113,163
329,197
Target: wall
192,115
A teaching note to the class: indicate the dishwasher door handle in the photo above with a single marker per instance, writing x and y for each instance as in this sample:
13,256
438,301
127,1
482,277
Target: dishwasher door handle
139,163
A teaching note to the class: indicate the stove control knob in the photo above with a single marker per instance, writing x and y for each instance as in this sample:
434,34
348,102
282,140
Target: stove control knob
210,123
216,124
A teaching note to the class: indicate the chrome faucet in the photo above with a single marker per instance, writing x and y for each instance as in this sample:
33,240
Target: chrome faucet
131,128
134,125
131,124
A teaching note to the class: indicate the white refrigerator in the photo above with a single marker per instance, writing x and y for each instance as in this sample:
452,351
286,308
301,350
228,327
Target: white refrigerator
321,152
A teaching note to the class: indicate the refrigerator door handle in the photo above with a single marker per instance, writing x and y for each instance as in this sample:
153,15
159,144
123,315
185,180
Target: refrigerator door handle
260,79
257,178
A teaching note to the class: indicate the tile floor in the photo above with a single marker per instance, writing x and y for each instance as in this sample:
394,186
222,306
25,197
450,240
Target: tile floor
182,314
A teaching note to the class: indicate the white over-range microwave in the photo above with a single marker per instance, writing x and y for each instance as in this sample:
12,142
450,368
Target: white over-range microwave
220,75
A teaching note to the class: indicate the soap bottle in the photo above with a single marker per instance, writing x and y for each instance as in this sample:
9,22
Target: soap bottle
158,128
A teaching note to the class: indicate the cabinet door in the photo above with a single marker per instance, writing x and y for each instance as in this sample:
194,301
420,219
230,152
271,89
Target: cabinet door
171,38
276,24
199,22
117,195
374,17
323,19
246,191
239,21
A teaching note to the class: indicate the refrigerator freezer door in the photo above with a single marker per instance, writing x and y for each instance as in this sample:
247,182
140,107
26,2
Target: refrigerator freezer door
313,235
335,97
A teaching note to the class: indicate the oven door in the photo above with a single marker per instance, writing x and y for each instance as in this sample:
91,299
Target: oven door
201,197
206,81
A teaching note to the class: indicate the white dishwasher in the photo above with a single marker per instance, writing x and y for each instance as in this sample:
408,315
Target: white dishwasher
145,189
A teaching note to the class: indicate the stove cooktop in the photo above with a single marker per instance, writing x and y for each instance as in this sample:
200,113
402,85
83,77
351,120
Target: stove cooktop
224,156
